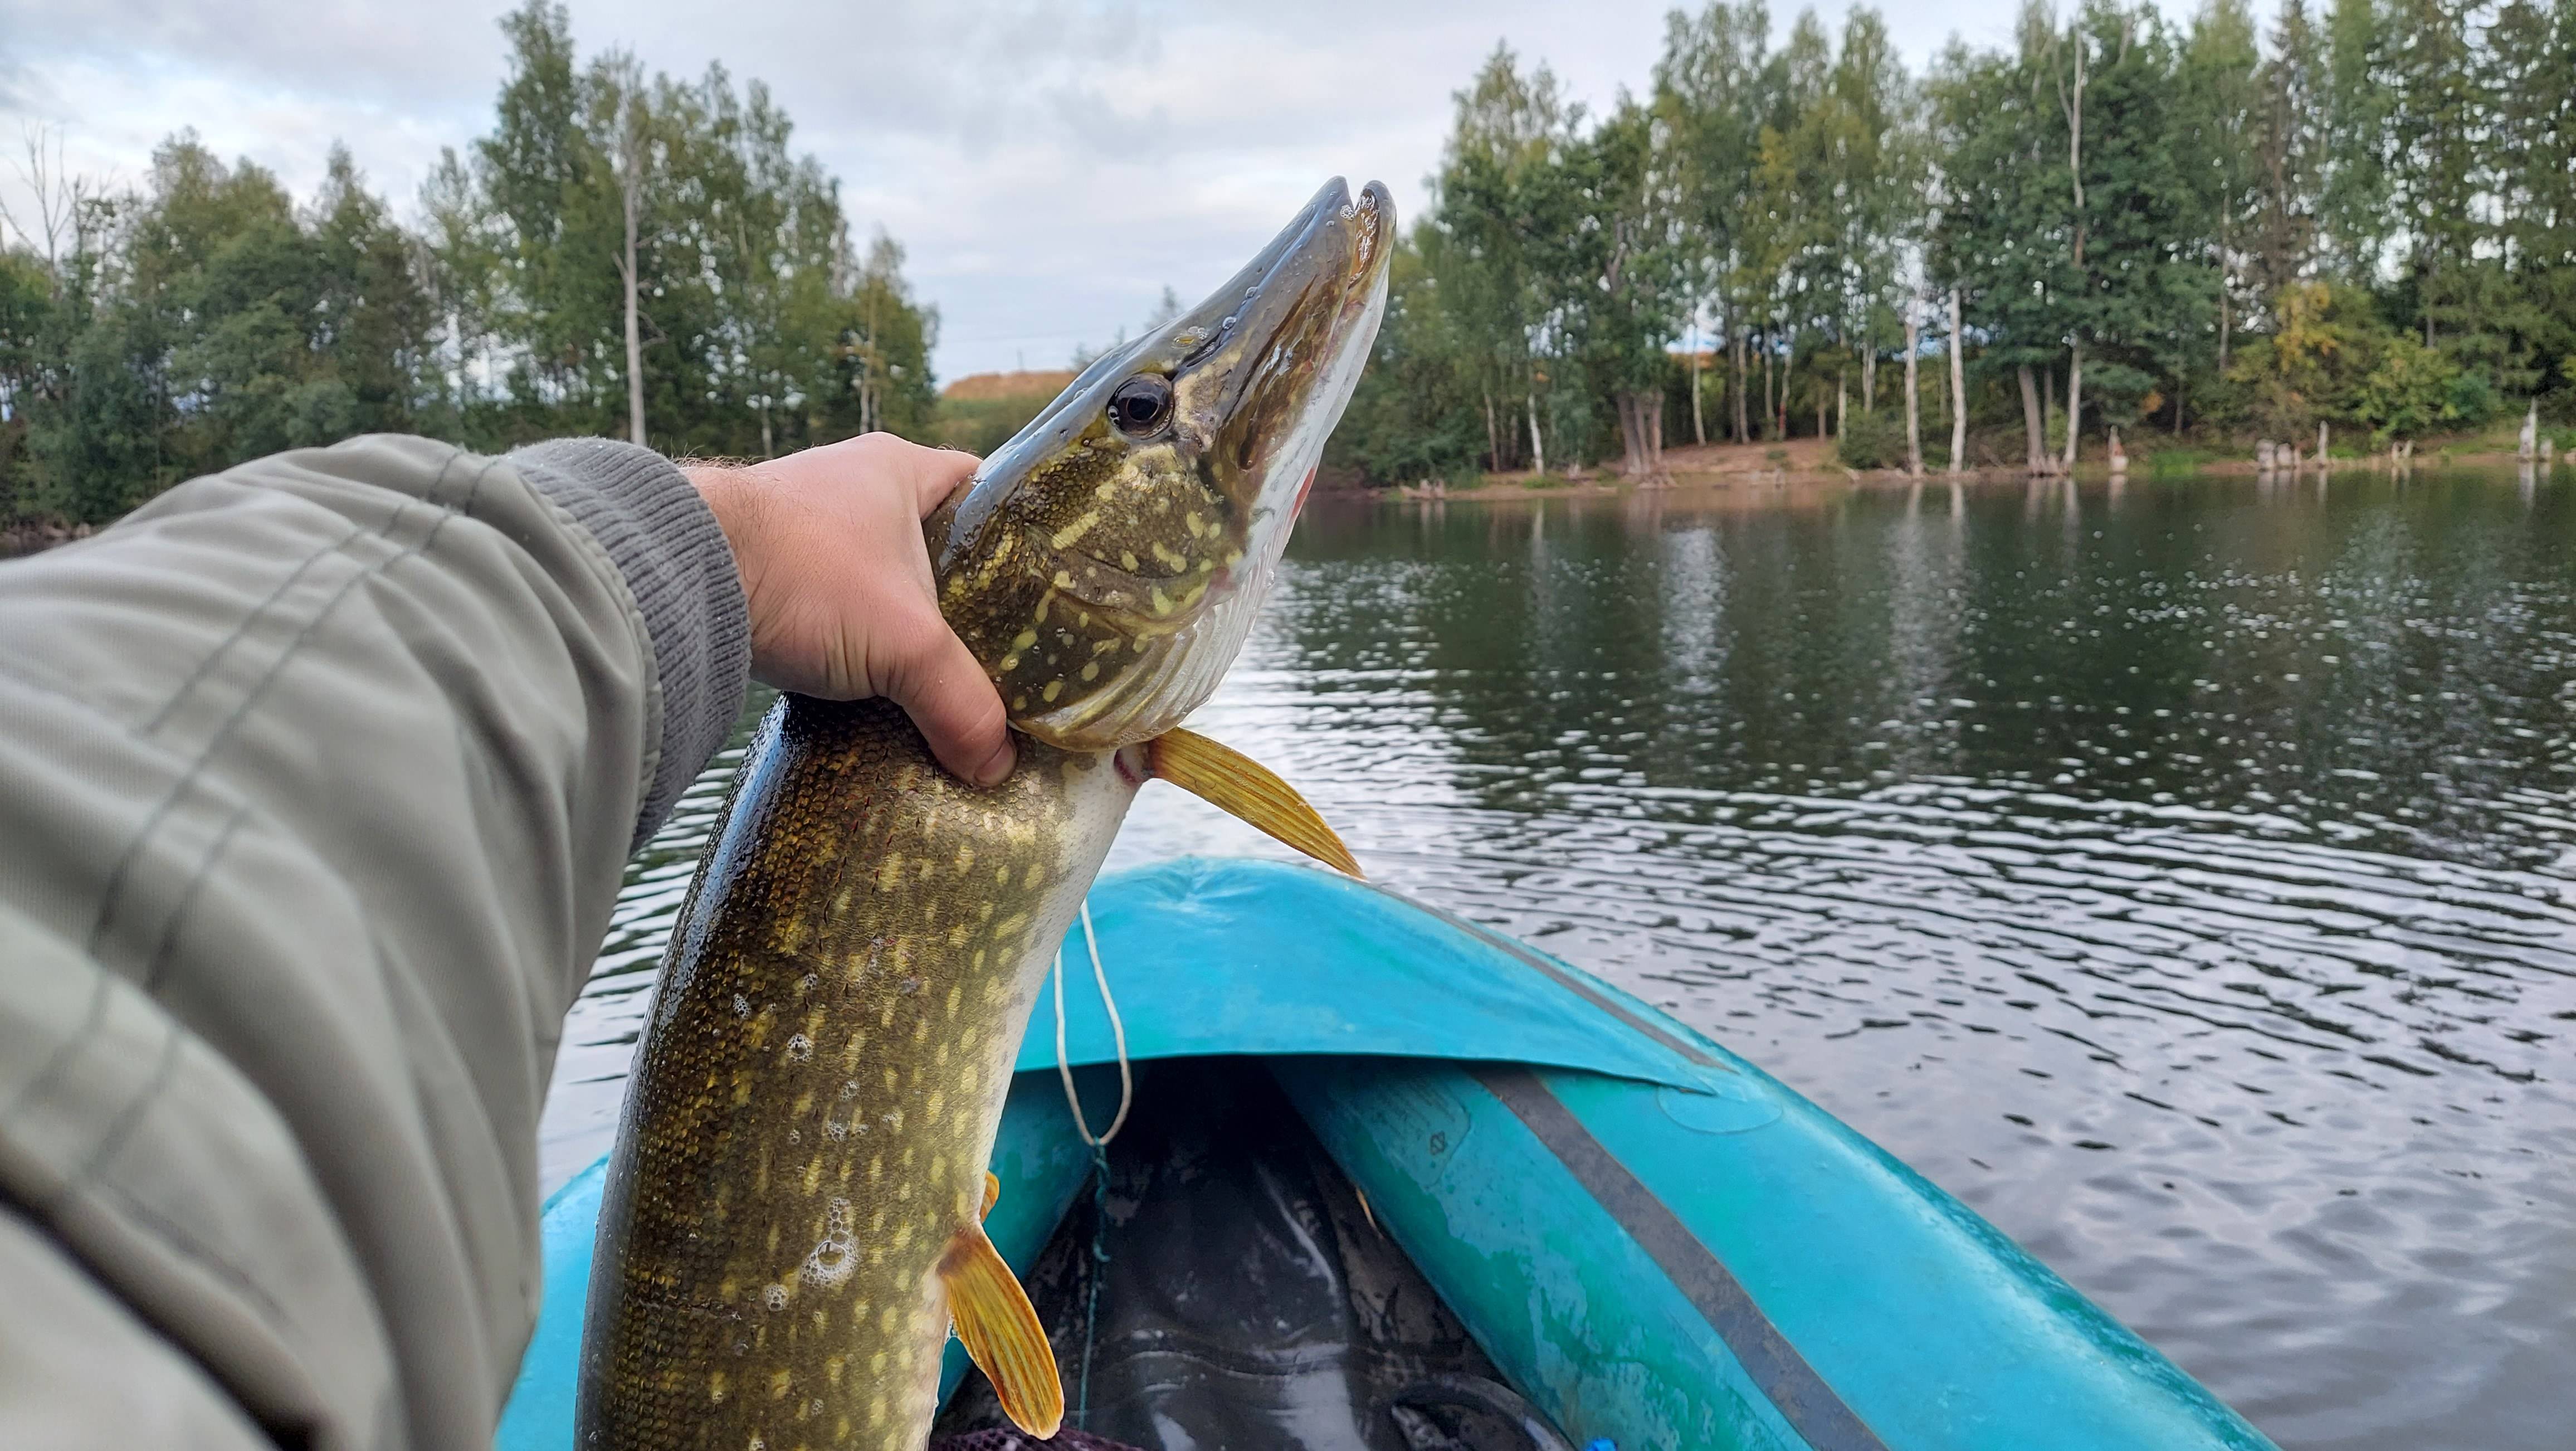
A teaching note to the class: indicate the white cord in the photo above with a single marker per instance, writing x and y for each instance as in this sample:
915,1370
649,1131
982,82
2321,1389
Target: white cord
1117,1029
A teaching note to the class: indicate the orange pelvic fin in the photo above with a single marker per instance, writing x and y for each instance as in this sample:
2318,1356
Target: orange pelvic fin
1000,1330
1243,788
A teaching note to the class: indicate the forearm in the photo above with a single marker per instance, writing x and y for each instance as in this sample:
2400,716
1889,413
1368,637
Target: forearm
315,786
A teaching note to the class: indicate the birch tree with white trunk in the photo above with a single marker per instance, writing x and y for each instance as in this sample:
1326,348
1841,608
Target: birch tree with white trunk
1958,391
2074,106
1913,398
633,147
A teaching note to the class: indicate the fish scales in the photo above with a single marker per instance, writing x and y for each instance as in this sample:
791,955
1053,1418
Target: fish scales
792,1212
868,942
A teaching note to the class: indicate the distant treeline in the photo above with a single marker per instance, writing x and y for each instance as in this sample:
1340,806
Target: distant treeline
2365,218
619,255
2206,232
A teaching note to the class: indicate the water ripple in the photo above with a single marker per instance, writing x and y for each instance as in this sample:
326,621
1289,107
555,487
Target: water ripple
2186,878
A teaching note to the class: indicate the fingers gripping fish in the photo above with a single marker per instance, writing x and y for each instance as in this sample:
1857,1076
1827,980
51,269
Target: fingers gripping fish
793,1216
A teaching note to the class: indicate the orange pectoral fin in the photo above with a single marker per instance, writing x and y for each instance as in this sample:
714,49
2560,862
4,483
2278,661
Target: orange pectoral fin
1000,1330
1243,788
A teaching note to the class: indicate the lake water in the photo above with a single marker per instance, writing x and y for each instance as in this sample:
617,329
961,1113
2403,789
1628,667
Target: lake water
2183,874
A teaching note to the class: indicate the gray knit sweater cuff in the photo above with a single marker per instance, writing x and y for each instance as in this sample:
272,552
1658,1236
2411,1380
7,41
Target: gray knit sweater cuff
665,540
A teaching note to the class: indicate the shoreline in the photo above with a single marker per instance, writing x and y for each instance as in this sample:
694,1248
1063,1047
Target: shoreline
1608,484
30,537
26,537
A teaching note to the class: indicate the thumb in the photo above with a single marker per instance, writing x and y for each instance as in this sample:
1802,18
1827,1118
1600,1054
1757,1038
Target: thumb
941,472
941,686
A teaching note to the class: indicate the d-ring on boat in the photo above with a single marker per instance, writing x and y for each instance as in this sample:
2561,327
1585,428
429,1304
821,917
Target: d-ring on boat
1396,1181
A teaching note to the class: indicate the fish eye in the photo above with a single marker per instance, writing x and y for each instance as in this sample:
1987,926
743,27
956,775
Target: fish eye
1142,404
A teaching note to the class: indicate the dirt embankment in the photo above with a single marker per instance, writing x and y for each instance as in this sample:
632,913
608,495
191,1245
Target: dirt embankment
982,387
1799,460
1812,460
27,536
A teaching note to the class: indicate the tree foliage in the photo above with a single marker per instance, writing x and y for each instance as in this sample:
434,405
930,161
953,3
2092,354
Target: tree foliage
2362,214
205,317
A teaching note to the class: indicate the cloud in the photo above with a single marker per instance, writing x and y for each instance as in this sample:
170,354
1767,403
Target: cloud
1049,166
353,54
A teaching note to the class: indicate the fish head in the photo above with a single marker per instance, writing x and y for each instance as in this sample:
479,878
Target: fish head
1106,563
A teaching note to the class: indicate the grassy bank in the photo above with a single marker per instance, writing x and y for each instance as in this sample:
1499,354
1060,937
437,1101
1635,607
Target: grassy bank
1809,460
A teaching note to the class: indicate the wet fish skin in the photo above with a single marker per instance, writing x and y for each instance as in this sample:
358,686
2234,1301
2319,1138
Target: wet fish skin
799,1174
822,1080
1107,580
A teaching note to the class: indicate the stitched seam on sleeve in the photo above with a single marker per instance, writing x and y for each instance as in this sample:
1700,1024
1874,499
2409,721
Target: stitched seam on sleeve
349,540
159,967
115,885
96,1008
259,613
175,1234
131,1114
55,1062
60,1060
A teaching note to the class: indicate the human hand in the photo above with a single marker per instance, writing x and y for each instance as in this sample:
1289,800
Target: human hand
843,605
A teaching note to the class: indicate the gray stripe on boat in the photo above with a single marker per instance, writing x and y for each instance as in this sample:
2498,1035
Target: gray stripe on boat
1777,1369
1558,973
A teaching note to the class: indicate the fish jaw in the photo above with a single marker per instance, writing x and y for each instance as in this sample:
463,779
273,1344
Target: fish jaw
1105,575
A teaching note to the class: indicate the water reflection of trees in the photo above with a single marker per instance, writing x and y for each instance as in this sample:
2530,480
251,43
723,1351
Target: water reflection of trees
1926,611
2380,657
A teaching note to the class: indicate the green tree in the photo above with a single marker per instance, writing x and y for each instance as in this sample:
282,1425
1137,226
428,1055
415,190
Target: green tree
2161,229
736,318
2131,216
2325,338
2428,78
2528,79
1419,412
1501,208
2413,390
2002,232
885,342
1712,92
1790,264
2353,208
2210,224
2290,155
2223,98
547,236
1876,158
1633,289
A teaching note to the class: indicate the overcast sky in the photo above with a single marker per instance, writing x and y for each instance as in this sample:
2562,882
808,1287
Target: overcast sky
1049,166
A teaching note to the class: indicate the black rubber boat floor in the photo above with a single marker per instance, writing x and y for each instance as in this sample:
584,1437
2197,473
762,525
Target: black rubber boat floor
1245,1298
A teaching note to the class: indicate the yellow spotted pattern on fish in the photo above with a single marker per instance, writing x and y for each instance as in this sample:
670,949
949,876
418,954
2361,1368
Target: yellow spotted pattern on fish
824,1067
793,1215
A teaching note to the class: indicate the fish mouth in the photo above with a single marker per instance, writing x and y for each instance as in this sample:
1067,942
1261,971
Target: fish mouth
1199,509
1307,312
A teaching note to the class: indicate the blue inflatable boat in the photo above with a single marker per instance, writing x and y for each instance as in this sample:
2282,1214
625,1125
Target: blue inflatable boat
1395,1180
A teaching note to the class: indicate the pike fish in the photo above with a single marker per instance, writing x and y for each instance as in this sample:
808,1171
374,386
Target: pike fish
792,1219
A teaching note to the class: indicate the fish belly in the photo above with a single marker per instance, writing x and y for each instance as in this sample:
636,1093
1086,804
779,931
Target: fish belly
819,1085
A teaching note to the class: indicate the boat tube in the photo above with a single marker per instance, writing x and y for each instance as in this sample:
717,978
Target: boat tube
1595,1220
